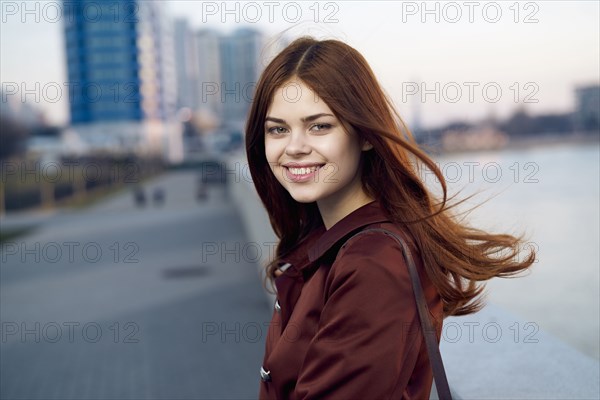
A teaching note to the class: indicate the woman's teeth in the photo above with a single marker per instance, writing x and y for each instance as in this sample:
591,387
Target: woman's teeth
304,171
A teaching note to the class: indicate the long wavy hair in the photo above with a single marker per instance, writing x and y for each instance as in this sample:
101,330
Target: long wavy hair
456,256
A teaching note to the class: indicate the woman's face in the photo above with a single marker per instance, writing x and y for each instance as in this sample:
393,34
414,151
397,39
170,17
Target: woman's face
309,151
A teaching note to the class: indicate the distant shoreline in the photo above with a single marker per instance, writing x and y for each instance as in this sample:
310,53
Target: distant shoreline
549,140
529,142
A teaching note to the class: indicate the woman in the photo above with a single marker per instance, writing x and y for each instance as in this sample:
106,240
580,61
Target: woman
330,156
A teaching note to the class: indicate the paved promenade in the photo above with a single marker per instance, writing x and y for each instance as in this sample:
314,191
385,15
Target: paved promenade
120,302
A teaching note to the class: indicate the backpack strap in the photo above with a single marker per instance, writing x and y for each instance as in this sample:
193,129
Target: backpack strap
435,358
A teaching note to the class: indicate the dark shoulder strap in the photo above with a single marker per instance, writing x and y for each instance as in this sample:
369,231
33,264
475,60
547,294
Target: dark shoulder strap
435,358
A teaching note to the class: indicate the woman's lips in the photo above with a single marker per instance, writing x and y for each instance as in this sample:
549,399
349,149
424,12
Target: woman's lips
302,174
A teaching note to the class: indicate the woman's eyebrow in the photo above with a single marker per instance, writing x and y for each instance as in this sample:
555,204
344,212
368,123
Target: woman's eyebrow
304,119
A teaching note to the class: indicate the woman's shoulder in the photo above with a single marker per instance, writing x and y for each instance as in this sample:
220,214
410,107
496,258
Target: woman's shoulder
373,251
378,240
374,261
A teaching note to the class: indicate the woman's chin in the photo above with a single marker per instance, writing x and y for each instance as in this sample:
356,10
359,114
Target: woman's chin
304,200
303,197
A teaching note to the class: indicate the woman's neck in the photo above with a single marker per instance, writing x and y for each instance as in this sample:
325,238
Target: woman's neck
334,211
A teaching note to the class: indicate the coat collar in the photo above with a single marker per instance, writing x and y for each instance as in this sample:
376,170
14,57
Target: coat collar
304,260
367,214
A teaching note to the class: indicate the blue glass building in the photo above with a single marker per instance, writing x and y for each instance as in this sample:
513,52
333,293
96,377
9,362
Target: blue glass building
121,73
116,59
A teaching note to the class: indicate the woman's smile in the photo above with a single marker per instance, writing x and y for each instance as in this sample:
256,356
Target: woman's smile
302,174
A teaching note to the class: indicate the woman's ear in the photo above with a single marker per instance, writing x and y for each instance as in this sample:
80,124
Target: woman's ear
366,146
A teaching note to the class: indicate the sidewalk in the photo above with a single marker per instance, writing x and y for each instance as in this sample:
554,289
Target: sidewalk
117,302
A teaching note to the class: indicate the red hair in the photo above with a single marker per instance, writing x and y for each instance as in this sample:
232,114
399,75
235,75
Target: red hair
455,255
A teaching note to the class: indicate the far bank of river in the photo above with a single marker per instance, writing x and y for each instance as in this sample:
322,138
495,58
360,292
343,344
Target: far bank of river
538,140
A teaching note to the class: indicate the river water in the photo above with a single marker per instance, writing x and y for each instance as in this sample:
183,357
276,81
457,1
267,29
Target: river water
552,195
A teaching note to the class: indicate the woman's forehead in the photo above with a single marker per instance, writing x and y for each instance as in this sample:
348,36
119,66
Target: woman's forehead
296,100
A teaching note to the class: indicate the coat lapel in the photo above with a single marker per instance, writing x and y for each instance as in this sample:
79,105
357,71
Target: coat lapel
320,246
368,214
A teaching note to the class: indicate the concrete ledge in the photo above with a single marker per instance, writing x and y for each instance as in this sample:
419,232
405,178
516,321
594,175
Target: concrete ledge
495,355
255,217
489,355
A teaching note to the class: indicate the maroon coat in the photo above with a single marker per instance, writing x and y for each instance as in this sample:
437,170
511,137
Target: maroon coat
345,323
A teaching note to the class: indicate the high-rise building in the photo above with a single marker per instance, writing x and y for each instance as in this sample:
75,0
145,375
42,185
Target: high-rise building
209,72
186,65
121,75
241,64
587,109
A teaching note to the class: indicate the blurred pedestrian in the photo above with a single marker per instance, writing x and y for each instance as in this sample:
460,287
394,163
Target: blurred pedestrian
139,196
159,196
202,190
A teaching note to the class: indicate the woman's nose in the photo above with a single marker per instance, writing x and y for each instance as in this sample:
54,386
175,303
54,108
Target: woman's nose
297,144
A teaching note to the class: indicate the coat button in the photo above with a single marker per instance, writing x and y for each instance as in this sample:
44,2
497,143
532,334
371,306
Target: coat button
265,375
284,267
277,306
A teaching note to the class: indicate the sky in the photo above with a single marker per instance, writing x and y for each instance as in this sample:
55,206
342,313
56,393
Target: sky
438,61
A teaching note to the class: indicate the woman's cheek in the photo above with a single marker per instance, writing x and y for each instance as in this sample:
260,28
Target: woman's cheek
271,155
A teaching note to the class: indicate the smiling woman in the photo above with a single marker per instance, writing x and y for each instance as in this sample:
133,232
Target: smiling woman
314,149
329,157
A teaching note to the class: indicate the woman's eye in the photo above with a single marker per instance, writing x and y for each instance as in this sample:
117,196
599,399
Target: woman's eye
322,127
274,130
